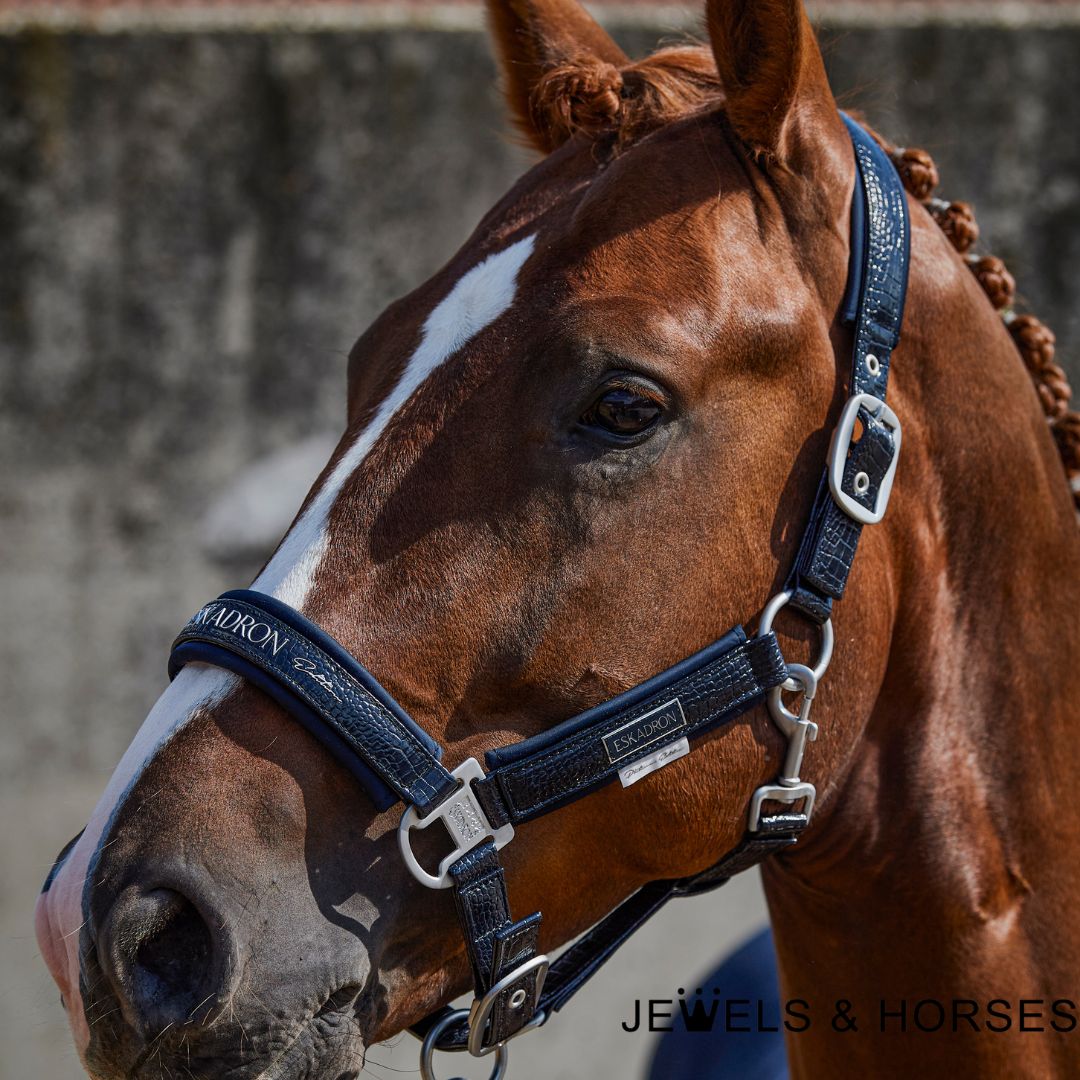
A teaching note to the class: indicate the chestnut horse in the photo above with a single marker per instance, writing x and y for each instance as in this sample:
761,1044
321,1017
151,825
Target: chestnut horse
577,454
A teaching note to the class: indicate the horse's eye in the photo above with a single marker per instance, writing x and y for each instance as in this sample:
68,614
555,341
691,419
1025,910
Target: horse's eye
621,410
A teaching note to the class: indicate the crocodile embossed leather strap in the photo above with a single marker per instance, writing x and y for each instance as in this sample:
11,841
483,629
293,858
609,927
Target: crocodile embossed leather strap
856,491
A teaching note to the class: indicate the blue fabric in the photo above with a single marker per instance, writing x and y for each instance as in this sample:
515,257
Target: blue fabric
315,679
748,974
863,247
849,308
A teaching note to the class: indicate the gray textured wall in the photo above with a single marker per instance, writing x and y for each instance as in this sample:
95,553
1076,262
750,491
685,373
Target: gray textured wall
195,227
193,230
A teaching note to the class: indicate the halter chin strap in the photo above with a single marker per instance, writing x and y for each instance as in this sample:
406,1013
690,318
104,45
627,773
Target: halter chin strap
320,684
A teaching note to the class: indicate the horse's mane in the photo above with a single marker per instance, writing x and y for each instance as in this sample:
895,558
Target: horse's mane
1034,340
618,106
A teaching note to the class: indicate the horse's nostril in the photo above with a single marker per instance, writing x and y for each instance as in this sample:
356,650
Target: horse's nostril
175,948
163,959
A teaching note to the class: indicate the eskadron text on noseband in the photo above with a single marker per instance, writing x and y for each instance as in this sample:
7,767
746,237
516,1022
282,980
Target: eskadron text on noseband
323,687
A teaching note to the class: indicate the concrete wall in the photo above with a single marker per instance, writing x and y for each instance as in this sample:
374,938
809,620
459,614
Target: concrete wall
194,227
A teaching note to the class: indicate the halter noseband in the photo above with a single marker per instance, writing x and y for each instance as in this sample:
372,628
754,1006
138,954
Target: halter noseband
323,687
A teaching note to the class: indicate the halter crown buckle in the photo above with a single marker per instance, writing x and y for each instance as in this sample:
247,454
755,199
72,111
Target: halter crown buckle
838,456
465,821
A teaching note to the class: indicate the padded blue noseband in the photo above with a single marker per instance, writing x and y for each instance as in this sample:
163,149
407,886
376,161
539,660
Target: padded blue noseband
327,690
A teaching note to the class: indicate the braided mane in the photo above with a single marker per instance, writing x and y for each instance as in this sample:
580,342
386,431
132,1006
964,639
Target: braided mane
1034,340
618,105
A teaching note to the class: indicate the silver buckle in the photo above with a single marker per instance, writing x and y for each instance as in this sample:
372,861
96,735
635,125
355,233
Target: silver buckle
778,793
465,821
480,1011
799,730
838,455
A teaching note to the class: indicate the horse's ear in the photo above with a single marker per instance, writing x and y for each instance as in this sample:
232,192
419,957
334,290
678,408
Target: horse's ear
533,37
771,69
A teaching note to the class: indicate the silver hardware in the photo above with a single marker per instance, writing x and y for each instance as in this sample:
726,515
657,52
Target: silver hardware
517,999
782,794
465,821
427,1051
480,1010
873,364
838,456
861,483
824,656
798,729
800,678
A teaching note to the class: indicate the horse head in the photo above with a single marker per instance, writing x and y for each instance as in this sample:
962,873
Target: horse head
580,452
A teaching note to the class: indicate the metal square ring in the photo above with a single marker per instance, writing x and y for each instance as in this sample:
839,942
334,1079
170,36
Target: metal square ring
780,793
465,821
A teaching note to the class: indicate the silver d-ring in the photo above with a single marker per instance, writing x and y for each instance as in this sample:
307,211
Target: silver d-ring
427,1051
824,656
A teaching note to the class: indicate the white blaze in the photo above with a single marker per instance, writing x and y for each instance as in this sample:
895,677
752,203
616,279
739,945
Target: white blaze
478,298
61,908
475,302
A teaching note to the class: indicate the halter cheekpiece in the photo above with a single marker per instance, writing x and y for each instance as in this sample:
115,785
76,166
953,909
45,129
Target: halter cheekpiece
323,687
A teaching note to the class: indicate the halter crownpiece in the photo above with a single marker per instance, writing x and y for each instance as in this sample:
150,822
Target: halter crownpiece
323,687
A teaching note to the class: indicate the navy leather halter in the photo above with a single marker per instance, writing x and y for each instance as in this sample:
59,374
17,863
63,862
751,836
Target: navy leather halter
320,684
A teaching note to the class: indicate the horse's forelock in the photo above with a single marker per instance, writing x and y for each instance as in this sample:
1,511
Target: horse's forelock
597,99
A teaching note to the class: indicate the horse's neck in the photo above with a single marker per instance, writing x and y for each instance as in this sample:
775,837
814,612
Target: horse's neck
943,866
